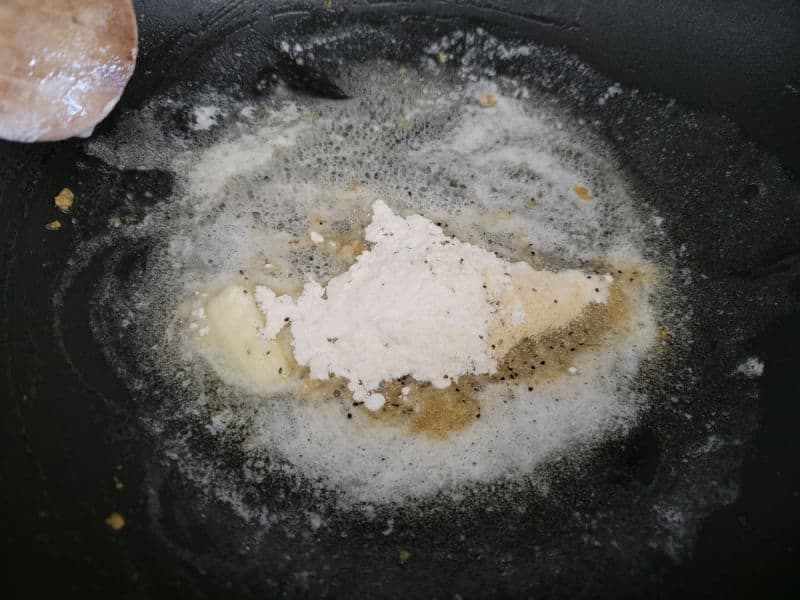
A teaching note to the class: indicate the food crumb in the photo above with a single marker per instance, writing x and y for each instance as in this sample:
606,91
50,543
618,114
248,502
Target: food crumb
404,555
487,100
116,521
582,192
64,200
53,225
118,483
115,222
442,58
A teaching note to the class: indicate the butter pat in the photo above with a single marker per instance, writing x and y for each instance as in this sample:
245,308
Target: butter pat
231,337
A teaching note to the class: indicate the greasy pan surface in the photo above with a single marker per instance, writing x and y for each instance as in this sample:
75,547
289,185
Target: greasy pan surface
644,516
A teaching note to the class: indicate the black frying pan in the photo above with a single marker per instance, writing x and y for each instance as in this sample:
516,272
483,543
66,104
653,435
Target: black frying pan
70,424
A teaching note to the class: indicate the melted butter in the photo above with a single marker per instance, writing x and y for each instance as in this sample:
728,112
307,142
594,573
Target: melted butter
533,362
542,360
427,410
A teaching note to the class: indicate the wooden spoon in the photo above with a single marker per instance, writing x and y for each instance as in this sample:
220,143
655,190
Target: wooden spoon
63,65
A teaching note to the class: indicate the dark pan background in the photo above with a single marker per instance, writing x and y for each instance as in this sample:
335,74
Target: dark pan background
59,440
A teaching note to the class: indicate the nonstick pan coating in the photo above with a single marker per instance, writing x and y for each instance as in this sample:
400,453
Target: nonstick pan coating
71,429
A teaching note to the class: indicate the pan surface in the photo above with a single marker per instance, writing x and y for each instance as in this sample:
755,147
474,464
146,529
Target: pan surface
701,483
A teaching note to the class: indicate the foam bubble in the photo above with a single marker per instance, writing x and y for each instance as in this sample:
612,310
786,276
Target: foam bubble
206,117
751,368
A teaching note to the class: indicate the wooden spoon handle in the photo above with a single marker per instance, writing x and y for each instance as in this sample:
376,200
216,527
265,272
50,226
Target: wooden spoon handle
63,65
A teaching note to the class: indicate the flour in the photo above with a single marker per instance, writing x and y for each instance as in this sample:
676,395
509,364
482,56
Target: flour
424,304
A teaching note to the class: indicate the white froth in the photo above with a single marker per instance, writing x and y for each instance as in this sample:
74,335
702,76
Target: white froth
499,176
507,150
383,464
751,368
247,155
205,117
613,90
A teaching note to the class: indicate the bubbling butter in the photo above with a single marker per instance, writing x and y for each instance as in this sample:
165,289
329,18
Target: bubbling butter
423,304
229,334
285,200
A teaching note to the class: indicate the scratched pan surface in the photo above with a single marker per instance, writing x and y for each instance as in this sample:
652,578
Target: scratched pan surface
646,516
